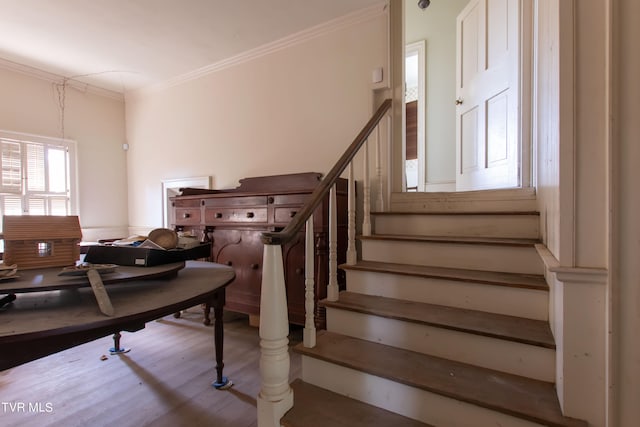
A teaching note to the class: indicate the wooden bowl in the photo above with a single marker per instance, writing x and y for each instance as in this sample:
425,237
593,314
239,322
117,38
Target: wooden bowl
164,237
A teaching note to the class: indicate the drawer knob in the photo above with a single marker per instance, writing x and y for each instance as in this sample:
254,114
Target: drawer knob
250,215
255,266
218,215
299,271
270,200
186,215
292,214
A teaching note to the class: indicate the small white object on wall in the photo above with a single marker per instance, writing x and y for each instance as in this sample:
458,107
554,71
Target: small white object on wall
377,75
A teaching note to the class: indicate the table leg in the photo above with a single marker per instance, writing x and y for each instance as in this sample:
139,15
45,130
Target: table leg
221,382
206,311
7,299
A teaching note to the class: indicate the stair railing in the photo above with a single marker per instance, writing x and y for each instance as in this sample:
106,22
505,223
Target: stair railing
276,397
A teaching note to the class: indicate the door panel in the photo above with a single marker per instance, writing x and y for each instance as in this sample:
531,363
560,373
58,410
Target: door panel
469,138
497,123
488,95
497,32
469,28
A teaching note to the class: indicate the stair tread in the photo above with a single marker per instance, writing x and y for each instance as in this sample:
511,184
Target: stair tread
455,213
529,281
318,407
517,329
511,394
503,241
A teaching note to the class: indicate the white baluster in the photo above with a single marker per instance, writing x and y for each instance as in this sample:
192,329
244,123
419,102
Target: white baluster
380,198
366,197
276,397
309,333
352,254
332,288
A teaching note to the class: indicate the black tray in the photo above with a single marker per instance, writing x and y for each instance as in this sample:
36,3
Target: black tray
143,257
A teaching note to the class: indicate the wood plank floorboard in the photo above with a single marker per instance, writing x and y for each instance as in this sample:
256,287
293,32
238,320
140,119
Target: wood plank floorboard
165,380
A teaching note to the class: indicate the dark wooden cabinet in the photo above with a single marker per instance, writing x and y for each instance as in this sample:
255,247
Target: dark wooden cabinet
233,221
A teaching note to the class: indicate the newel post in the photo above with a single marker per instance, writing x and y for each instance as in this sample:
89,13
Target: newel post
275,397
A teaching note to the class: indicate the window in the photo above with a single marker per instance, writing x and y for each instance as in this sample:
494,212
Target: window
37,175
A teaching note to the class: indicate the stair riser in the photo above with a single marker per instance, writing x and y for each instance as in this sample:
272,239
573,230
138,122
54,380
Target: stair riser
521,302
509,200
411,402
502,258
508,226
492,353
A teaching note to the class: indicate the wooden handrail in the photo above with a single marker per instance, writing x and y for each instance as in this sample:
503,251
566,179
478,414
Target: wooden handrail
287,234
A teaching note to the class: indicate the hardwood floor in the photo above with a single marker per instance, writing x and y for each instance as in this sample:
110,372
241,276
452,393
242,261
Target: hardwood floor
165,380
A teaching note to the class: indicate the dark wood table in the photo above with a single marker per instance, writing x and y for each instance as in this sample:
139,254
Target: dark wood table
41,322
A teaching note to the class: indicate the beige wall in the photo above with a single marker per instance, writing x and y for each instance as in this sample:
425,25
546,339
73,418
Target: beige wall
437,26
626,242
293,110
96,123
587,177
546,124
572,182
570,132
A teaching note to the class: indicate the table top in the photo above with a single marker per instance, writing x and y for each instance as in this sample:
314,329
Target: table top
49,279
58,312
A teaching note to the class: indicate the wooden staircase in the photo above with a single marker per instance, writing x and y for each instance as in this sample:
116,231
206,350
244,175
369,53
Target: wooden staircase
444,322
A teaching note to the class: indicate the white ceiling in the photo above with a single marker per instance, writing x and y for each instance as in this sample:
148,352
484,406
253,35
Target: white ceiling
123,45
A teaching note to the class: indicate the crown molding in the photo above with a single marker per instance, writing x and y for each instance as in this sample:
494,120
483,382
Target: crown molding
55,78
342,22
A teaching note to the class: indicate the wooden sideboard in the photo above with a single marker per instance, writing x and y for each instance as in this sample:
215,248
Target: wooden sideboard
233,220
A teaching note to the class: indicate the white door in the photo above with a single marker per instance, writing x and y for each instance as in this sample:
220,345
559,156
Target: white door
487,92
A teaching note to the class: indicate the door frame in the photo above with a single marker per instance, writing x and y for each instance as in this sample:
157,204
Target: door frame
420,49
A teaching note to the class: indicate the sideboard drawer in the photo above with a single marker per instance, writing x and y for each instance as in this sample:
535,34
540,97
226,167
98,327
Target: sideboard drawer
284,214
290,199
236,201
187,203
234,215
188,216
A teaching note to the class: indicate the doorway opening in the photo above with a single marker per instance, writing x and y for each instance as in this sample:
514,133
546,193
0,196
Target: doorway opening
470,132
414,98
